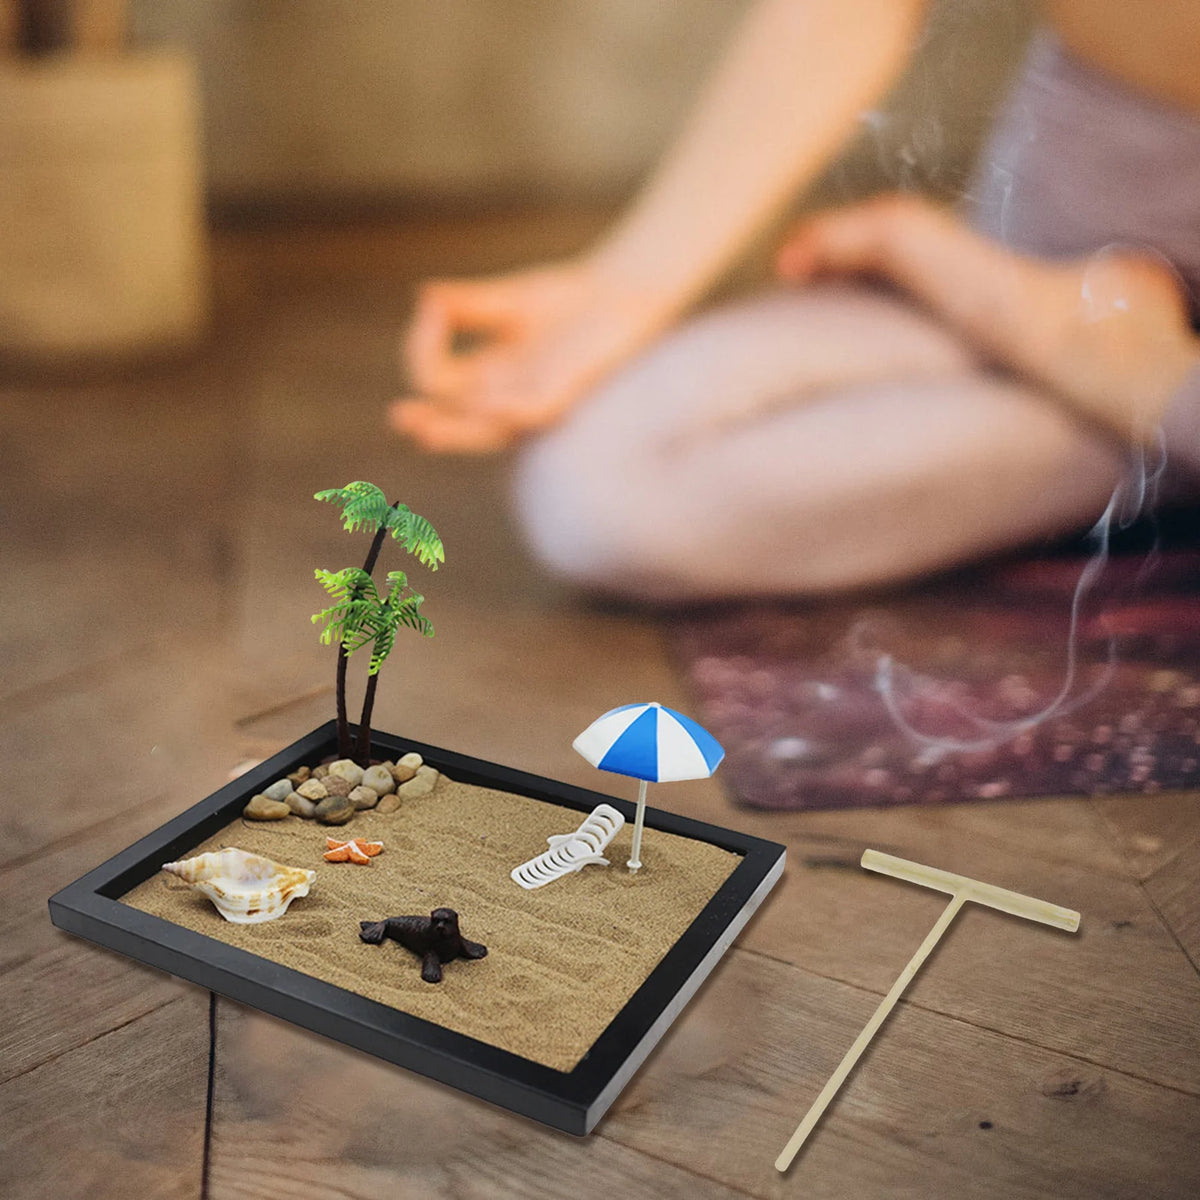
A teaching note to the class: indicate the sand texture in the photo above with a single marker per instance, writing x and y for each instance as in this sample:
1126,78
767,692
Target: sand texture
562,960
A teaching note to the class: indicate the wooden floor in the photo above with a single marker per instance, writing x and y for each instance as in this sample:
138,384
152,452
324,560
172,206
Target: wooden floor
158,546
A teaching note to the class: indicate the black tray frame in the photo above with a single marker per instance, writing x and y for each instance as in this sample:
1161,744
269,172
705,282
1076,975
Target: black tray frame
573,1101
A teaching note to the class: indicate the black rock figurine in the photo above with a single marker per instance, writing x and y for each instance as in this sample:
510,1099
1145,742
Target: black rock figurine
434,939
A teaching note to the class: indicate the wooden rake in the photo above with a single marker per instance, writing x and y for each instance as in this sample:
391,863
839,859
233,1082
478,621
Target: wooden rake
961,889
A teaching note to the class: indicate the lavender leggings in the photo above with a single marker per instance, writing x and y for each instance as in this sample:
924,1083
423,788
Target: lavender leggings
1078,163
814,440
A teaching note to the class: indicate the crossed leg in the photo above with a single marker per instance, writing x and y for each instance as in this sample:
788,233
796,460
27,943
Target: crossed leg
800,443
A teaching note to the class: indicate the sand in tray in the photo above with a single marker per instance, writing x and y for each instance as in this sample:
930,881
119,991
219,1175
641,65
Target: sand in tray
562,960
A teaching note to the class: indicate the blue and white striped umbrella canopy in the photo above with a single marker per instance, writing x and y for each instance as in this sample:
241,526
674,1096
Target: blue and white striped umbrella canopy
650,742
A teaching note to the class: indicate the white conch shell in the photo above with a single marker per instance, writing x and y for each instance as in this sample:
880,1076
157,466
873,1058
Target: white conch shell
245,887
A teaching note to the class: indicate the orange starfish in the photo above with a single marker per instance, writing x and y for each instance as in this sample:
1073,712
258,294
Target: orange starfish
356,850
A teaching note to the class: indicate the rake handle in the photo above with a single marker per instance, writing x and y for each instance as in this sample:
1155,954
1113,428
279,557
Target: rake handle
869,1030
961,889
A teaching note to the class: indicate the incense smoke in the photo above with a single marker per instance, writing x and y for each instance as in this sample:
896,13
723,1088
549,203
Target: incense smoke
1134,495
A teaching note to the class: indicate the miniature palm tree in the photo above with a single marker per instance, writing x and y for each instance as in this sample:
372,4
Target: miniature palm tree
359,616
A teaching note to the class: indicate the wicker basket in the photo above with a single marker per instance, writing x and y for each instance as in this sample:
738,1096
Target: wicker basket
102,249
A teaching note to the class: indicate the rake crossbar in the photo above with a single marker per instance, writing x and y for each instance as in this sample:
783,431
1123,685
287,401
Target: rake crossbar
973,890
961,890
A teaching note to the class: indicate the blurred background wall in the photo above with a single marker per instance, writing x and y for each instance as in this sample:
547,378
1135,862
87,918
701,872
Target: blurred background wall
342,104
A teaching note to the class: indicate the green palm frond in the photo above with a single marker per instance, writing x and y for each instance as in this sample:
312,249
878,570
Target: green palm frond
363,633
384,641
354,597
348,582
360,617
407,615
364,506
416,535
422,625
395,611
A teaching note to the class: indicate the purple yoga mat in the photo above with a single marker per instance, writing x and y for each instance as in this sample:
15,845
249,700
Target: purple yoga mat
951,691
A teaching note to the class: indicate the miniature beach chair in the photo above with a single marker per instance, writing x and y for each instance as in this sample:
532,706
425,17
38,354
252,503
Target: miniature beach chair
572,851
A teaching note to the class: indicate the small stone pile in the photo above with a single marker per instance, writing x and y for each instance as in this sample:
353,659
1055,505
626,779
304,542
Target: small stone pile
333,792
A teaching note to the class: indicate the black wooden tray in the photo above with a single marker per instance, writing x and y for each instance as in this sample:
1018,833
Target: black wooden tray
574,1100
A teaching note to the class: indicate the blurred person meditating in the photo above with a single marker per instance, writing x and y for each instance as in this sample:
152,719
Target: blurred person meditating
926,389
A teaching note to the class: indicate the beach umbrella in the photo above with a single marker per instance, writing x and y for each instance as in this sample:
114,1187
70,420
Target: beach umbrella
653,744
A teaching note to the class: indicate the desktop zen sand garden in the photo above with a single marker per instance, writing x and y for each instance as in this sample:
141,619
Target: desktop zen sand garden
562,960
566,966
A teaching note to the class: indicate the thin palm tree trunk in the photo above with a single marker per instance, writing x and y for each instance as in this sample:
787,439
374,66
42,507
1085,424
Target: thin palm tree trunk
343,719
362,749
373,553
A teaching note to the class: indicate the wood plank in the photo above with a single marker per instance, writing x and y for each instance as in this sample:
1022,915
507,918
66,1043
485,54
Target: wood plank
114,738
295,1114
1093,988
1174,889
52,844
42,965
121,1116
25,929
47,1013
833,918
936,1108
113,539
1147,831
250,262
1057,831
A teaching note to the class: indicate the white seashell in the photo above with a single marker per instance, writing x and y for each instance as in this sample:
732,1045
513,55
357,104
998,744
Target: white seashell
246,888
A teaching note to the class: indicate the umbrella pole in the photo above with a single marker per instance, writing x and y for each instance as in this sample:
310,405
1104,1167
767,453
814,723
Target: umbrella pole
635,862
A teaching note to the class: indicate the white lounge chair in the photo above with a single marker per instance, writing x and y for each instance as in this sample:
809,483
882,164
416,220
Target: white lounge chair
572,851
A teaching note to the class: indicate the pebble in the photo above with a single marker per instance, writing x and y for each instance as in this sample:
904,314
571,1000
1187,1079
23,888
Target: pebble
347,768
321,771
279,790
421,784
379,779
301,806
263,808
337,785
406,767
335,810
388,804
363,796
299,775
312,789
401,774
